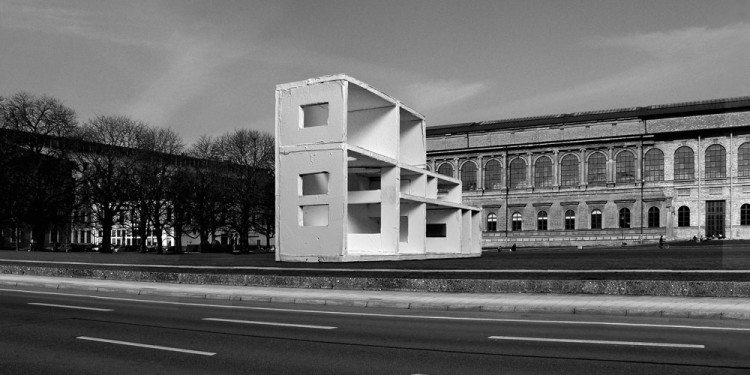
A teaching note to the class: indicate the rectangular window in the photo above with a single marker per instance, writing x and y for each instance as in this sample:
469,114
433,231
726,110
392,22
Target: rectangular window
436,230
313,183
313,215
314,115
403,229
569,171
541,223
596,219
597,169
570,223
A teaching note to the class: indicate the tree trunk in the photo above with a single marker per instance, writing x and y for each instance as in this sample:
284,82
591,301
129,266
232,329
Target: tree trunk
177,238
244,229
38,231
204,240
158,233
142,229
106,245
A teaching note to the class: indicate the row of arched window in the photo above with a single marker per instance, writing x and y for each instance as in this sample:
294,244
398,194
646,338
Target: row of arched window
570,219
625,168
683,219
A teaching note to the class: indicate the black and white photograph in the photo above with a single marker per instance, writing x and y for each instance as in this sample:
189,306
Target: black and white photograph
374,187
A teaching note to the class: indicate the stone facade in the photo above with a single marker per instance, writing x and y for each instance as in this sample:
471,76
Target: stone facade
654,196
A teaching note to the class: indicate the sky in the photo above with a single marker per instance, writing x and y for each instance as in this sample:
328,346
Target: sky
209,67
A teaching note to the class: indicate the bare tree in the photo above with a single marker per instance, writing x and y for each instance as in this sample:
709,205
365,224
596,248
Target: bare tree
154,172
106,164
208,207
252,152
39,185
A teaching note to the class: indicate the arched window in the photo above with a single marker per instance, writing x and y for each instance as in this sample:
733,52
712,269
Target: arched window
716,162
491,222
653,217
541,220
445,169
569,171
624,218
570,220
543,172
745,214
597,169
517,221
625,168
493,172
517,173
469,176
683,216
743,160
596,219
653,165
684,164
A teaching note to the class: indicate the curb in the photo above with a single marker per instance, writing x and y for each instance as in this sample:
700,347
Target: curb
373,303
615,287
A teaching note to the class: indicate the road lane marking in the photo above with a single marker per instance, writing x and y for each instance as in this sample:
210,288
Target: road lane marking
600,342
431,317
69,307
167,348
268,323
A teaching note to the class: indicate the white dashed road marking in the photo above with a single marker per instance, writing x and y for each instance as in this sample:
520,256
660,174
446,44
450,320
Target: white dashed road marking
600,342
268,323
69,307
127,343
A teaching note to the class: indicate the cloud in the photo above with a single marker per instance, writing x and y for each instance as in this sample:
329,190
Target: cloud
77,20
193,65
681,43
670,64
435,94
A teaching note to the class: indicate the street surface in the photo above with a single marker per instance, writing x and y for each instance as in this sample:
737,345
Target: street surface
53,332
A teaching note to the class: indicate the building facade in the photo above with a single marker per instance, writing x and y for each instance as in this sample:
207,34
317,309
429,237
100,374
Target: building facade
622,176
351,183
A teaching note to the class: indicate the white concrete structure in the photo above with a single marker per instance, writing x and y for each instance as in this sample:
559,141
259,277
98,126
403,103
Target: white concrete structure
351,179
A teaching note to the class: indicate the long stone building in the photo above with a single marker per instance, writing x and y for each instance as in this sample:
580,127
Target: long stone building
611,177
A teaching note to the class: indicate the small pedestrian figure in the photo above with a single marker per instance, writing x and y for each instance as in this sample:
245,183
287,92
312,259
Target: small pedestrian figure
513,247
695,239
661,242
499,249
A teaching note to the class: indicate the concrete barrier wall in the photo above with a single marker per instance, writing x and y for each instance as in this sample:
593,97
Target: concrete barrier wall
607,287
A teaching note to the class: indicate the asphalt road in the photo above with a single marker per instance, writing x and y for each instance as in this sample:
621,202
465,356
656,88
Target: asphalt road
45,332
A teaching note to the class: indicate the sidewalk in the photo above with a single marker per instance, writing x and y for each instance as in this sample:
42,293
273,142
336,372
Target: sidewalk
678,307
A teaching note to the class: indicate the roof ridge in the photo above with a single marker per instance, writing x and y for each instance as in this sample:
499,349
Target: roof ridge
624,111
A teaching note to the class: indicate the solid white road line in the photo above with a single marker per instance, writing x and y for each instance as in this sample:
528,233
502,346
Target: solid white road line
268,323
436,317
69,307
601,342
118,342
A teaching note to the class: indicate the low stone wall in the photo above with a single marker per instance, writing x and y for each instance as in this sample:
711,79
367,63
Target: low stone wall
557,238
607,287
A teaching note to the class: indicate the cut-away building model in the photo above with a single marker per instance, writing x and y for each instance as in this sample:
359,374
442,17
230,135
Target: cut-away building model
352,182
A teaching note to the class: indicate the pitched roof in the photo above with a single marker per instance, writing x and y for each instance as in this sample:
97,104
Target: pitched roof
644,113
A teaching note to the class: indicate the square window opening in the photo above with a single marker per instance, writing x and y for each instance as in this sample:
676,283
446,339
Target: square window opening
314,183
364,218
313,215
314,115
